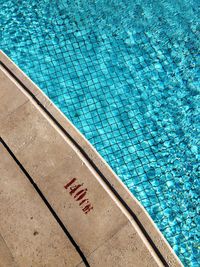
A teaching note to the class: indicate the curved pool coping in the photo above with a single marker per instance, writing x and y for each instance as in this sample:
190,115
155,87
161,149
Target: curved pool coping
135,211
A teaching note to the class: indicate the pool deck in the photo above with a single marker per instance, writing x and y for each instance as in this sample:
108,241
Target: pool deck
60,203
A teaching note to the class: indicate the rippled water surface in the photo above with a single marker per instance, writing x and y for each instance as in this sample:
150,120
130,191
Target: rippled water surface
126,74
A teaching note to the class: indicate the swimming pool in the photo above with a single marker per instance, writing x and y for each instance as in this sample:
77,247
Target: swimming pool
126,74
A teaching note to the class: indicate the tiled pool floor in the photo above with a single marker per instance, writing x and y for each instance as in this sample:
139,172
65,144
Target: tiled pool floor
126,74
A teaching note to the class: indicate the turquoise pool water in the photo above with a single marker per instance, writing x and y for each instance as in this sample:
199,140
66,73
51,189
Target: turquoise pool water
126,73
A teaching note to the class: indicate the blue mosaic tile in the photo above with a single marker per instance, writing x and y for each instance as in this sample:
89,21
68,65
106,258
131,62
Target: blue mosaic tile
126,73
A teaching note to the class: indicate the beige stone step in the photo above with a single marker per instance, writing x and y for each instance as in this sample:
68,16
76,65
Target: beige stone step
6,258
29,234
105,220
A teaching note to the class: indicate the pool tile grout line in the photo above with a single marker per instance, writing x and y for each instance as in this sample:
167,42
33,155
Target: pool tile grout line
37,189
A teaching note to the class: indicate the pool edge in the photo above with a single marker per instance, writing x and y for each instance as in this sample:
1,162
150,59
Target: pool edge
95,159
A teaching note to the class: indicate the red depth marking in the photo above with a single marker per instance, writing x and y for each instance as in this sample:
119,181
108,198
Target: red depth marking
71,182
78,194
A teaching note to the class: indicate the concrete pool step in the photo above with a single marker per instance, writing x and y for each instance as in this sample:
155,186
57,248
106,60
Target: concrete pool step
76,198
29,233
